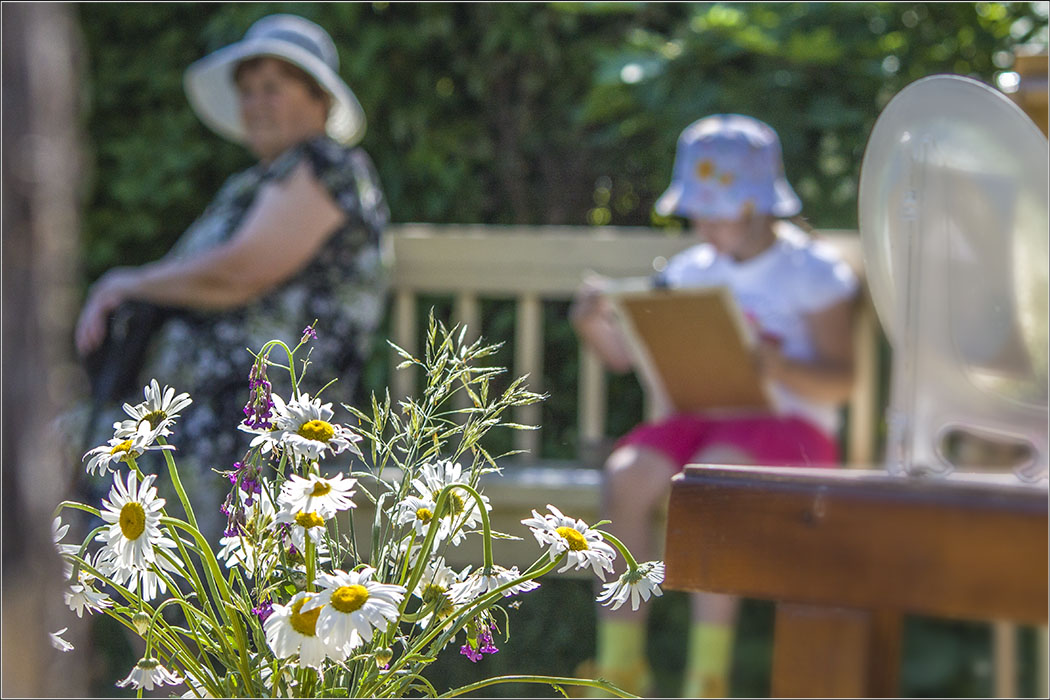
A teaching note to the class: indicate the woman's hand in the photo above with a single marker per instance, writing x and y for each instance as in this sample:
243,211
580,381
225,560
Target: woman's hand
105,295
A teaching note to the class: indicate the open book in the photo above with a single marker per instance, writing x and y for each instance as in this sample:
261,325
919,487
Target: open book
693,347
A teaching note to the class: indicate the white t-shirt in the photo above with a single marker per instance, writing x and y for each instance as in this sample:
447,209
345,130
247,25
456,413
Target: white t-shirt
793,278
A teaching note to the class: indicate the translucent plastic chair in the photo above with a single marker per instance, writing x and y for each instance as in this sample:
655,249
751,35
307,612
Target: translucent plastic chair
954,227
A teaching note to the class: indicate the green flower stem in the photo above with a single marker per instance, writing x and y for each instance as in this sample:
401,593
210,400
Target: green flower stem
171,642
186,658
216,579
449,629
428,542
631,563
173,471
77,506
291,361
487,542
194,577
311,552
546,680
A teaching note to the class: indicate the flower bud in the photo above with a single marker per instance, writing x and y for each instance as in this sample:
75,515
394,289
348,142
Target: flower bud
383,657
141,621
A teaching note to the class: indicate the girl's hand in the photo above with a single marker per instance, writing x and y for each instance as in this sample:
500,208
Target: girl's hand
105,295
589,301
768,357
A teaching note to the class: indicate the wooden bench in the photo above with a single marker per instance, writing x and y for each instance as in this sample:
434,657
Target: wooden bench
530,266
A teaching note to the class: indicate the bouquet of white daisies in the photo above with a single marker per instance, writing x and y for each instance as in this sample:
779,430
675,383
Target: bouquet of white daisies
290,603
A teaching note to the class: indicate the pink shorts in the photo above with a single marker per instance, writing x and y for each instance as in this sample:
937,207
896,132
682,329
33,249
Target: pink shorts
777,441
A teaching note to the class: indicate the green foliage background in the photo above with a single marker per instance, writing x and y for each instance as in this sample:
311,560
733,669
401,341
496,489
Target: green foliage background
544,113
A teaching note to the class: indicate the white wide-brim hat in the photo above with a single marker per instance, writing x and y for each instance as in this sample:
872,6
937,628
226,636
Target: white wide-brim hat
212,92
724,165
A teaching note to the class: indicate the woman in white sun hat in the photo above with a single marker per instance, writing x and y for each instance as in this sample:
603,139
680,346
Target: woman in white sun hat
728,182
294,238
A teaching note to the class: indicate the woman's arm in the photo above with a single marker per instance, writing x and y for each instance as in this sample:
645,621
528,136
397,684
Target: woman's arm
830,377
285,228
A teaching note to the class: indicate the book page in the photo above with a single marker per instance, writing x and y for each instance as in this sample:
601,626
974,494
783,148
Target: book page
693,348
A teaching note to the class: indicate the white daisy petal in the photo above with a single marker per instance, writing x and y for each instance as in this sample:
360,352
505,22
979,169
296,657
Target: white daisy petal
59,643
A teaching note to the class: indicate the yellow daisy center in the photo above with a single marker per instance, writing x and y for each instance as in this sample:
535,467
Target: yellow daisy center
132,520
577,542
154,417
305,623
433,593
347,599
321,488
424,514
454,506
318,430
309,520
121,447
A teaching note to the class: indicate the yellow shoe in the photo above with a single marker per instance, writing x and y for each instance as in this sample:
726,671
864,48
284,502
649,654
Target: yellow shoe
635,679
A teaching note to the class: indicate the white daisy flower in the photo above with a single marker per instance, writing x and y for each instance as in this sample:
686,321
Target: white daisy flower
124,445
475,585
159,410
305,427
434,588
325,496
58,532
133,513
148,673
59,643
353,607
290,630
302,524
242,549
83,596
637,585
583,546
462,510
418,512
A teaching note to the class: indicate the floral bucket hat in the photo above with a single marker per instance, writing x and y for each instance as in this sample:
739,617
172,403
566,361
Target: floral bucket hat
212,93
723,163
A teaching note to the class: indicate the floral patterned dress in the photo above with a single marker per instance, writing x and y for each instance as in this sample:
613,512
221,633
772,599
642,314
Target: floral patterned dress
344,288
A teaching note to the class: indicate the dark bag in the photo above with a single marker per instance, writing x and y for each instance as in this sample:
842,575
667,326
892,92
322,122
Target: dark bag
113,369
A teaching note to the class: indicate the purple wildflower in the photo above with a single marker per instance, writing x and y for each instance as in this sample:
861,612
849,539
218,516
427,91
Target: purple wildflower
258,412
485,646
263,610
309,332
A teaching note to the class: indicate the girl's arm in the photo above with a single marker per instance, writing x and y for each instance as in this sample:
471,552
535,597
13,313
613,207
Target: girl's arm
595,323
829,378
281,233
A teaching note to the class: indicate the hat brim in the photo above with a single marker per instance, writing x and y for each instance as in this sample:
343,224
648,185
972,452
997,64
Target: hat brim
667,203
212,93
780,202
